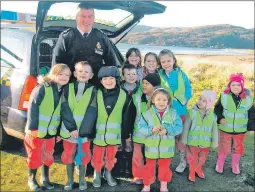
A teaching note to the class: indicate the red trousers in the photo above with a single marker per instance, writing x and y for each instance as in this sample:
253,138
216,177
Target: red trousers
137,161
196,156
68,155
179,145
104,156
39,151
164,171
231,143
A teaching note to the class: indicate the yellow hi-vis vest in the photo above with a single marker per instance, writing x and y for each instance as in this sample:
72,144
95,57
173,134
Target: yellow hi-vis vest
78,108
108,128
157,146
49,119
200,133
140,108
236,117
179,94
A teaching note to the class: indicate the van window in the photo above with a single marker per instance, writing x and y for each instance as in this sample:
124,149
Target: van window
12,51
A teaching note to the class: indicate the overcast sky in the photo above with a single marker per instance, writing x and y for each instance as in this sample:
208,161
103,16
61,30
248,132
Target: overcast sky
179,14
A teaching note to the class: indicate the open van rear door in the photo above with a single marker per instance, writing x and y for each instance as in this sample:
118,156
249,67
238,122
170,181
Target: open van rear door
135,9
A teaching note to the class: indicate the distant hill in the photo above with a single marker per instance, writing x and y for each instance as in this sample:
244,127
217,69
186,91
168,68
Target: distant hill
142,28
214,36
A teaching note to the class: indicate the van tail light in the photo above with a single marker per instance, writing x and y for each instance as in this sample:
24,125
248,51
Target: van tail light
29,85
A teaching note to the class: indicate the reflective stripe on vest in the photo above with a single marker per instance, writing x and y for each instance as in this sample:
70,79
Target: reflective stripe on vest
236,117
78,108
49,118
140,108
179,94
157,146
200,133
108,128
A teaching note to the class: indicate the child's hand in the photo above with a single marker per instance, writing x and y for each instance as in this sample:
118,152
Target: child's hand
58,139
156,129
75,134
162,132
33,133
223,121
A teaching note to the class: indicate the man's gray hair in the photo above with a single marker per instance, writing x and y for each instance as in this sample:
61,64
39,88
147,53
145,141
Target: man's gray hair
83,5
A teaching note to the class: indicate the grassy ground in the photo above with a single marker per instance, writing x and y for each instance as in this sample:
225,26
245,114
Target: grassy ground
14,174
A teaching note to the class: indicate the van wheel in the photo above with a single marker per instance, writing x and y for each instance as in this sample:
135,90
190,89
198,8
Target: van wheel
4,137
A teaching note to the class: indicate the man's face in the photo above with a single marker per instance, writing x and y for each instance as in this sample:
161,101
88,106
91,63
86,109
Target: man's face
85,19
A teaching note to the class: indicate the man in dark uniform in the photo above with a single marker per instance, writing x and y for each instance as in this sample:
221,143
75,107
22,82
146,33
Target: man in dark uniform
85,43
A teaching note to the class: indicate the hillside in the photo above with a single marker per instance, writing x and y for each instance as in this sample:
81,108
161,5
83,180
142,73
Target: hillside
214,36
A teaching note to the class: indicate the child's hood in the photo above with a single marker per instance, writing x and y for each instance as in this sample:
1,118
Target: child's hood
206,112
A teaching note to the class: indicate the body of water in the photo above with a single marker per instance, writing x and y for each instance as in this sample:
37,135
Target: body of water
181,50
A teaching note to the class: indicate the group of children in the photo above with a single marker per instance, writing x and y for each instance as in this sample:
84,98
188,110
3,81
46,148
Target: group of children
145,113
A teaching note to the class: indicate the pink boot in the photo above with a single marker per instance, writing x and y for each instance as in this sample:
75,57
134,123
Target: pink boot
220,162
163,187
235,163
200,172
146,188
192,176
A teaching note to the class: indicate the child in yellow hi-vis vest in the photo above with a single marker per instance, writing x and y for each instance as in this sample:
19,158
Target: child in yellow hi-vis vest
79,113
176,81
112,103
160,124
235,115
199,133
43,119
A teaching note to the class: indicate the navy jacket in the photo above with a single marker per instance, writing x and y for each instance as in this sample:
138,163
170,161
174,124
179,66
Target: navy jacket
35,101
96,48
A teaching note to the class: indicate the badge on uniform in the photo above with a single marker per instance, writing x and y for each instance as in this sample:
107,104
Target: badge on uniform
98,49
